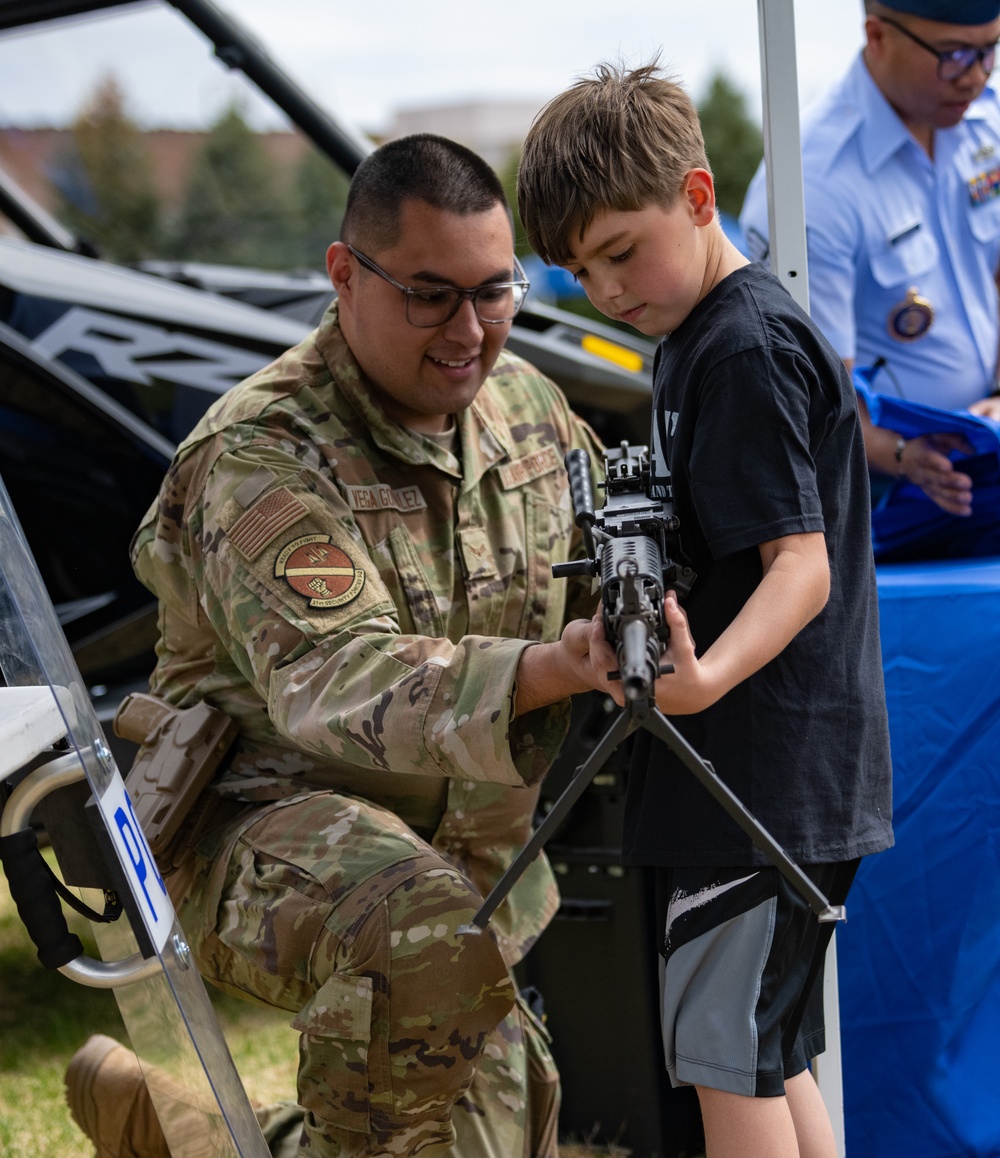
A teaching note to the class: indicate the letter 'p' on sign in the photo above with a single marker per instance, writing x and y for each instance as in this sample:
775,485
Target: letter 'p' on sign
137,861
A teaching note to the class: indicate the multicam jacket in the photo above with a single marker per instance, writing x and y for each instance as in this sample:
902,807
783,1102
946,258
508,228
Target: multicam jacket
357,596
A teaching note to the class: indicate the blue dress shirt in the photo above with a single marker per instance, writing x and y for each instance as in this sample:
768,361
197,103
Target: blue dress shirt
882,219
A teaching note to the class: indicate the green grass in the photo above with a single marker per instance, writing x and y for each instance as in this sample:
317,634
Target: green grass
45,1017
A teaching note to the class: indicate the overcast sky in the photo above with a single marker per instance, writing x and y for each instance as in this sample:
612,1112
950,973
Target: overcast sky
365,60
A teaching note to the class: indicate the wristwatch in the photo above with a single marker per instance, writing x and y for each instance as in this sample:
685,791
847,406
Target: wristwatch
898,454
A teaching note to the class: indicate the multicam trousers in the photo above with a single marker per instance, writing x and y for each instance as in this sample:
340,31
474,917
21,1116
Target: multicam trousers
411,1036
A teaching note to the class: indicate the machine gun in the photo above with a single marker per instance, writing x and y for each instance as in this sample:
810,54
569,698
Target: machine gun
633,548
630,546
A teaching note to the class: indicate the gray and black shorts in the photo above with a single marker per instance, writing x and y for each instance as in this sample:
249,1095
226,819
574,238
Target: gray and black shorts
742,974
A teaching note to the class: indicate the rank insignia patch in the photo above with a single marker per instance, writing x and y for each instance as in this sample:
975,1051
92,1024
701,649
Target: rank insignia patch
911,318
319,571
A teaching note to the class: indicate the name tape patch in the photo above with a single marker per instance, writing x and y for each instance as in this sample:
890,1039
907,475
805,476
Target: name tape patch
385,498
531,466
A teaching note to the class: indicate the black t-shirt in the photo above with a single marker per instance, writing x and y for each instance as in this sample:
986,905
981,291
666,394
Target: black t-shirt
756,421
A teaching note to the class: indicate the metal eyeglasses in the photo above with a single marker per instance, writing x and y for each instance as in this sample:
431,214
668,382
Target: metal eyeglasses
954,62
494,303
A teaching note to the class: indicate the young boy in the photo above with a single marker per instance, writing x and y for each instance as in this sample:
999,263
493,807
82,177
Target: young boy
778,678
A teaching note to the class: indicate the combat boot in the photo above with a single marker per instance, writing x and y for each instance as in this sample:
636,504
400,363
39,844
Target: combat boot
109,1101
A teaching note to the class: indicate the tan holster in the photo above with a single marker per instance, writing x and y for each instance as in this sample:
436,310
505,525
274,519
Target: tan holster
180,751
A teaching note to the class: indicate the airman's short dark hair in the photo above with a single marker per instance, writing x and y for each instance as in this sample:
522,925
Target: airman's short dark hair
421,167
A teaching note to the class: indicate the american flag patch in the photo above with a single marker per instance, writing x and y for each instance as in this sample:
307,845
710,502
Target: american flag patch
265,520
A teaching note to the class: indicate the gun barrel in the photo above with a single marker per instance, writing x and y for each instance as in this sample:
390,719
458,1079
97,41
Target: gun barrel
638,658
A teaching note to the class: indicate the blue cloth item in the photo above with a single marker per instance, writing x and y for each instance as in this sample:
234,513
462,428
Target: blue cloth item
550,283
919,956
883,219
906,524
949,11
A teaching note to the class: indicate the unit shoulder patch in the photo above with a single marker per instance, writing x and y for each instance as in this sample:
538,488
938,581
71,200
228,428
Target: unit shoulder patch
321,572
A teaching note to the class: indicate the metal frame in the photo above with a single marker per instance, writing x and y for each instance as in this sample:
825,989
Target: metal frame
789,262
782,149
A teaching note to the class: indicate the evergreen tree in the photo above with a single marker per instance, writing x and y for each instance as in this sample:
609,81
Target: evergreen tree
104,179
319,197
234,210
733,141
508,178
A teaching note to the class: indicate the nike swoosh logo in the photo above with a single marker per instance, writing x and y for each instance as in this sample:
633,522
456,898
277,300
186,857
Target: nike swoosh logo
680,904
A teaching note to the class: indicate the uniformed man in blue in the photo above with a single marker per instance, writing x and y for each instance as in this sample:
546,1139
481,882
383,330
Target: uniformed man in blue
901,164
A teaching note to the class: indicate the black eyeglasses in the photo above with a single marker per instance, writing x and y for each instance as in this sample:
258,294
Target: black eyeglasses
494,303
955,62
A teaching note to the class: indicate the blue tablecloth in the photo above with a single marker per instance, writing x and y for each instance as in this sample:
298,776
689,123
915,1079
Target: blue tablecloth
919,957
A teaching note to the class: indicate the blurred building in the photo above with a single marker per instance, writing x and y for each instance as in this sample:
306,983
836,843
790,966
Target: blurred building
494,129
34,157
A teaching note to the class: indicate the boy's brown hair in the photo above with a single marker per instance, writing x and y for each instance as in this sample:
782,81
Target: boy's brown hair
620,140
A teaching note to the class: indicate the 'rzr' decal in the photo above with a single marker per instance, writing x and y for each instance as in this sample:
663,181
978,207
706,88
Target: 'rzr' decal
141,353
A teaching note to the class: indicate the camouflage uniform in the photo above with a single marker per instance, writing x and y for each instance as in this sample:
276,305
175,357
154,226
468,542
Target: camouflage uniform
357,596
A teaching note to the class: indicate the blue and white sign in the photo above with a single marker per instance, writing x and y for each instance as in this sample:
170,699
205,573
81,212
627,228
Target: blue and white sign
137,860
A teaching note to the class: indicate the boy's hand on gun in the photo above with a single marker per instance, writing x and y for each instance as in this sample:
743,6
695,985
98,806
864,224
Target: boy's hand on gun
686,690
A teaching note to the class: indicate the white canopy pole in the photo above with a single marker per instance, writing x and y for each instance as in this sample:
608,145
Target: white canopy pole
787,232
782,151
